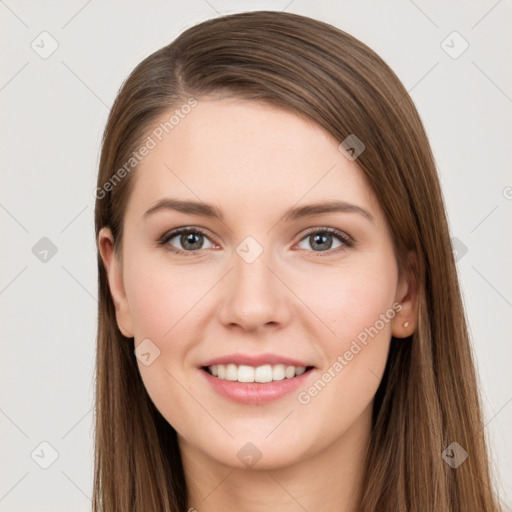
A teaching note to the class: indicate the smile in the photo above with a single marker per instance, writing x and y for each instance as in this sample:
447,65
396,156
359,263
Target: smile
255,381
261,374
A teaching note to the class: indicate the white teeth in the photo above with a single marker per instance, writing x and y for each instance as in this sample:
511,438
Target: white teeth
289,372
231,372
278,372
262,374
245,373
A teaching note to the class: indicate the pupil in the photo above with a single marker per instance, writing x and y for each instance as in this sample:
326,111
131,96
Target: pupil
191,238
322,237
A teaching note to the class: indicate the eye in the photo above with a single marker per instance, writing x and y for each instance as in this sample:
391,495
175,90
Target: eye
188,239
191,240
322,239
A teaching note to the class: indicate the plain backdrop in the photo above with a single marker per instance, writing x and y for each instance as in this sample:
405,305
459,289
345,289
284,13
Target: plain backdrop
62,65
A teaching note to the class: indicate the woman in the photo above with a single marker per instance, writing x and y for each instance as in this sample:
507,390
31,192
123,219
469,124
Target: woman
280,320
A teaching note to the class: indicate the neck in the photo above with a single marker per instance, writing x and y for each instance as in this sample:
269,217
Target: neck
330,480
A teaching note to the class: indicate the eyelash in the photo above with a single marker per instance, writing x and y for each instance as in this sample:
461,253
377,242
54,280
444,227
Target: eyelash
342,237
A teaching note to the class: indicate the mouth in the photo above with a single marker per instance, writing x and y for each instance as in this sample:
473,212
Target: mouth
260,374
255,380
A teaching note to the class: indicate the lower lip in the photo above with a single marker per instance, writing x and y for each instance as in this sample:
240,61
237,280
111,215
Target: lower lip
255,393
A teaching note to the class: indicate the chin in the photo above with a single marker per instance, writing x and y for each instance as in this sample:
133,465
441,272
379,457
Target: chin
256,452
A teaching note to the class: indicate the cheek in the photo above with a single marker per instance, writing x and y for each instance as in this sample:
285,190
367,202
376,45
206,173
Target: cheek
352,300
163,303
358,307
160,297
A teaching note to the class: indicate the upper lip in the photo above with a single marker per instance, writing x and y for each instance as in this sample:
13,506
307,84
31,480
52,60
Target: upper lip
255,360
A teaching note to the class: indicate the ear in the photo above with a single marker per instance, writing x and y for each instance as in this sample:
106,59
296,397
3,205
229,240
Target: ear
115,280
406,320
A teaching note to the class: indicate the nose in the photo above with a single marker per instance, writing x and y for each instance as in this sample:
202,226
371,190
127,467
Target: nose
253,294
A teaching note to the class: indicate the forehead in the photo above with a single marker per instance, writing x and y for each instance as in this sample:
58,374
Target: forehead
248,155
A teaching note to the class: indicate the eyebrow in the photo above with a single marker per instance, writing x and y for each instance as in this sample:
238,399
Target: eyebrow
208,210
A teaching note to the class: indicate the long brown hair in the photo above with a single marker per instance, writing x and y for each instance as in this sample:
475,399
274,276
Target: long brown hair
428,397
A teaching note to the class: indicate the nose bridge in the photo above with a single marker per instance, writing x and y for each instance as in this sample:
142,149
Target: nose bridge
251,264
255,295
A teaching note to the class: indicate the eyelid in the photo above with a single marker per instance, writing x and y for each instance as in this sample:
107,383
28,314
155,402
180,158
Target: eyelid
173,233
178,231
346,240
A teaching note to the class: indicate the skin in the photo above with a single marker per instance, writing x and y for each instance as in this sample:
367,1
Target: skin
253,162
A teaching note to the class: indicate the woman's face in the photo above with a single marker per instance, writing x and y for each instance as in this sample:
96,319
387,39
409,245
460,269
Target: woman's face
260,286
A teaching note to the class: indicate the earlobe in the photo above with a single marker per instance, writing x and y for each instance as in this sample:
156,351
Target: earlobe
405,322
115,280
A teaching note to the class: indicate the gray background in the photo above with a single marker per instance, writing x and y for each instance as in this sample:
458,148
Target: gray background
54,111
